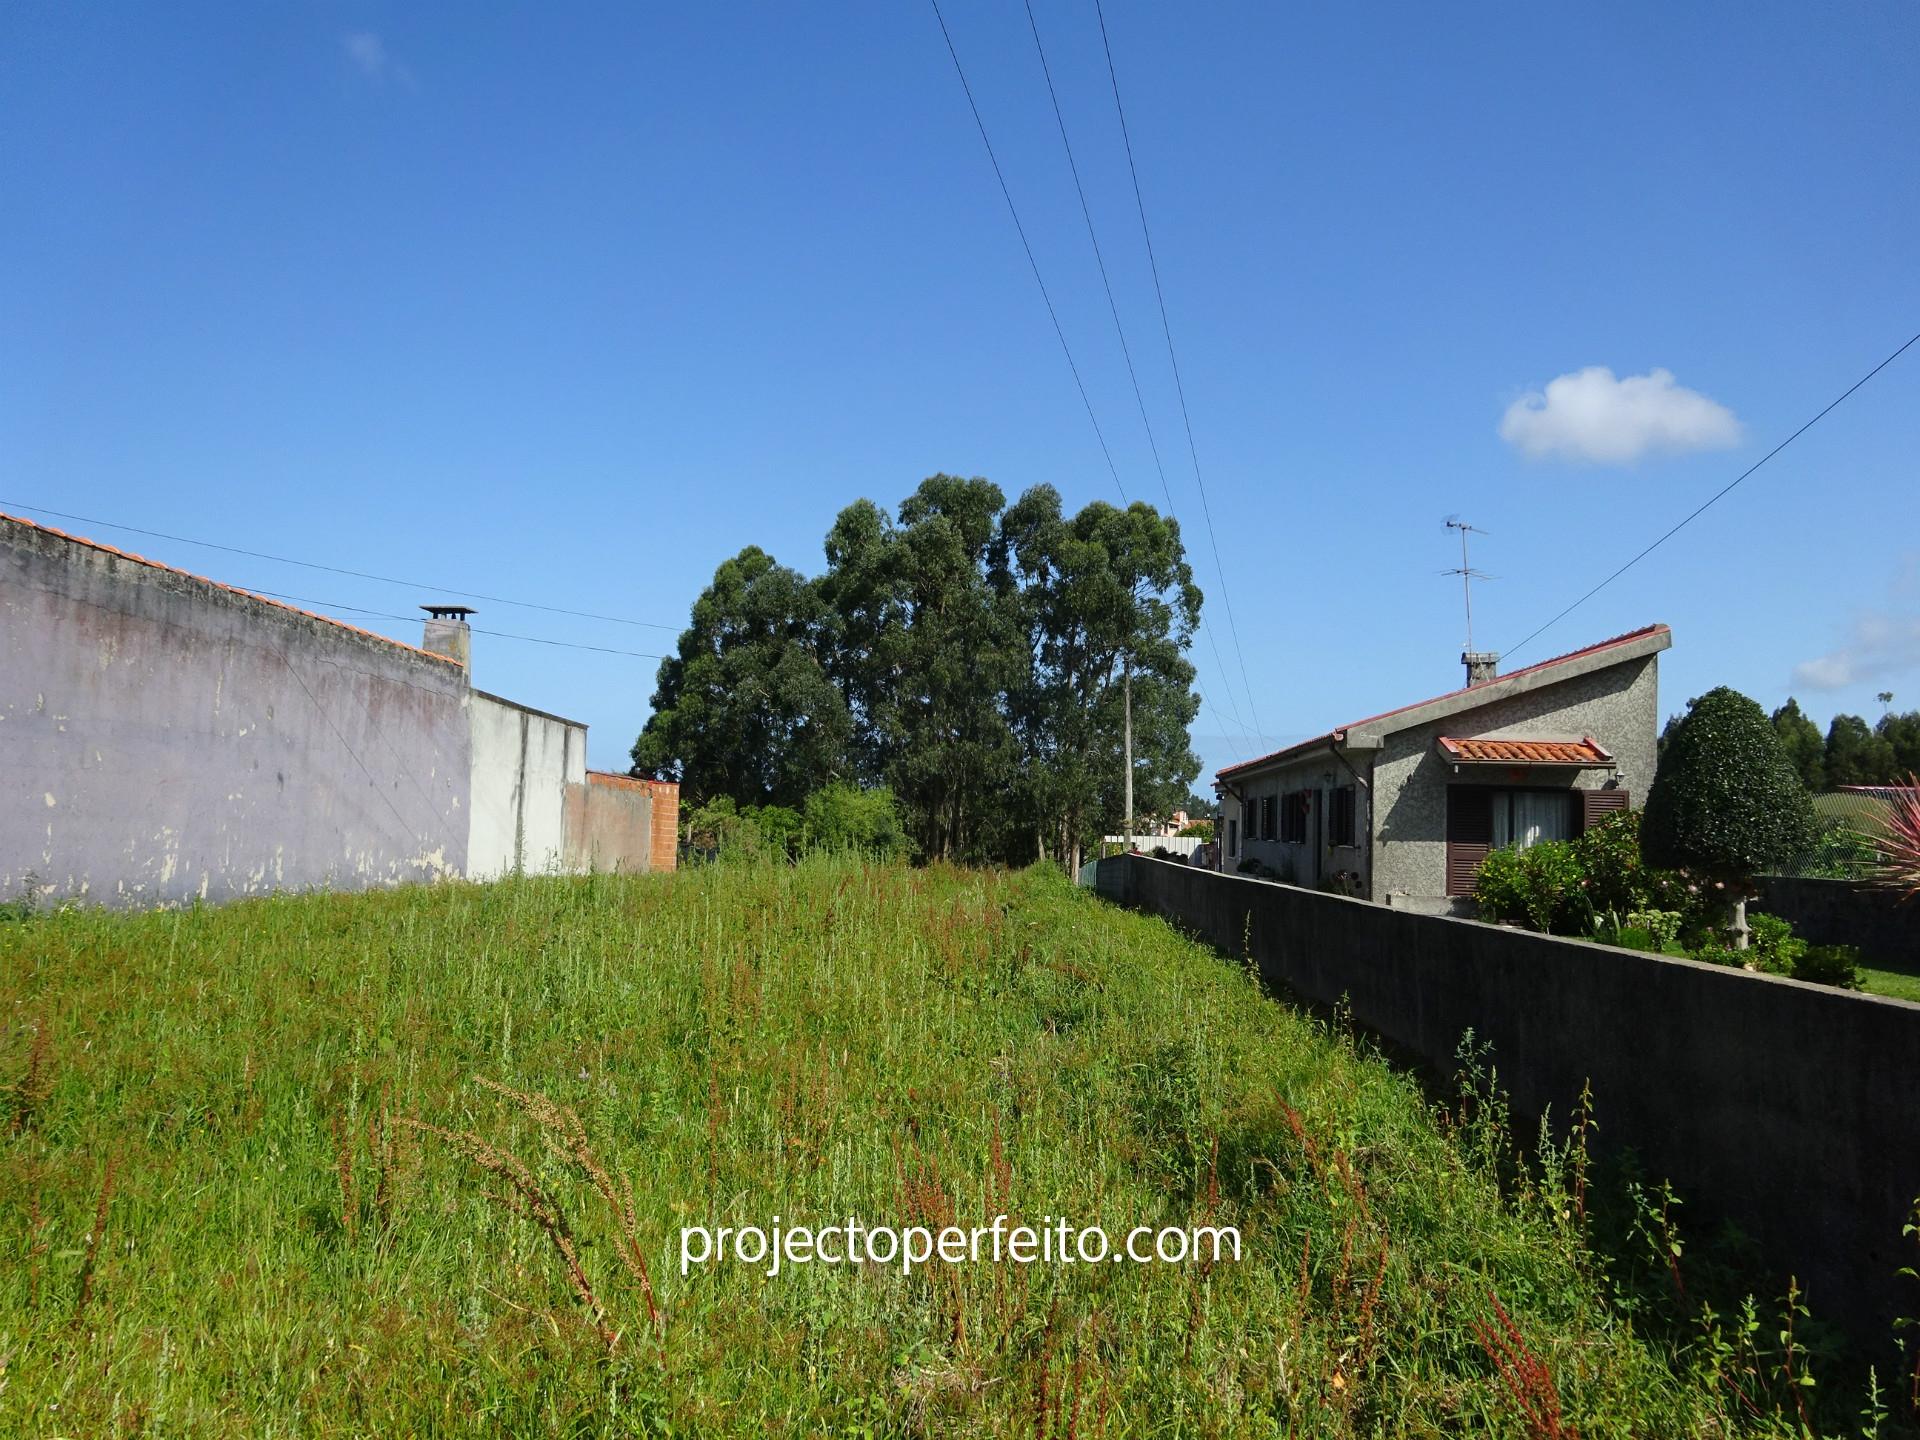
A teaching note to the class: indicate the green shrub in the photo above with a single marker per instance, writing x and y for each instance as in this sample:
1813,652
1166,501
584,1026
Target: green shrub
1836,965
1771,946
1722,955
1197,830
1541,887
1774,949
1500,888
1662,925
1629,937
845,817
781,828
719,827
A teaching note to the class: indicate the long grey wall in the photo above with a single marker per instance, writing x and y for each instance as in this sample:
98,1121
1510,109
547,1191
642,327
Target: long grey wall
1846,912
163,737
1793,1109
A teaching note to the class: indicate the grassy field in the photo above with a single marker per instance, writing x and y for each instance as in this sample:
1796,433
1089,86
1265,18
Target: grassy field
219,1218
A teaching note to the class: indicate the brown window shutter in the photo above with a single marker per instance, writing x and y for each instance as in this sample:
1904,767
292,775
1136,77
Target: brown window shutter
1595,805
1469,835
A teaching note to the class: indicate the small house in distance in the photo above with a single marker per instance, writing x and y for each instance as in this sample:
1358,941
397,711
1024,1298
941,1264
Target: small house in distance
1402,807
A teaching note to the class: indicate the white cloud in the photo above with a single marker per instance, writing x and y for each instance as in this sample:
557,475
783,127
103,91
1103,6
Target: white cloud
370,55
1592,415
1880,646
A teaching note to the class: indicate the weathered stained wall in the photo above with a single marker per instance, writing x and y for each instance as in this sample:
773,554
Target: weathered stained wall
610,824
525,764
1786,1107
164,738
1618,706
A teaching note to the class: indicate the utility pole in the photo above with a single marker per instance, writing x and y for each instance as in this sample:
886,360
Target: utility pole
1126,692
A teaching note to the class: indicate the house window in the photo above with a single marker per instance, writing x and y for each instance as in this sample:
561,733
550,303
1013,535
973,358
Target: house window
1523,818
1268,804
1293,817
1481,818
1233,839
1340,815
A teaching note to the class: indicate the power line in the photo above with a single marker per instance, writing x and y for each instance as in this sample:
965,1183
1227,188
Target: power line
1126,352
1713,499
1173,360
495,634
1033,264
417,585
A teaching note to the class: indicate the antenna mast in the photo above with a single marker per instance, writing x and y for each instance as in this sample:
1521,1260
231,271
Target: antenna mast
1465,571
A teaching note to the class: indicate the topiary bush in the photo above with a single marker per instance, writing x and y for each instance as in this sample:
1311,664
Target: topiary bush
1726,802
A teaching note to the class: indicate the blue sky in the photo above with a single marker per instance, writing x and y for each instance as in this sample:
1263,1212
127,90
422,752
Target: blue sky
569,303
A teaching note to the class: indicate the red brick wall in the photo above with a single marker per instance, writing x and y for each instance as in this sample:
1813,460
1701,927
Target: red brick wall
666,823
664,842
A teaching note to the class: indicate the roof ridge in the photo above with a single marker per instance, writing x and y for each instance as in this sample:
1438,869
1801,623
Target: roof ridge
1640,634
161,565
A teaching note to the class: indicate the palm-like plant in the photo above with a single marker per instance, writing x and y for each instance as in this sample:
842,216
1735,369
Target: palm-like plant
1899,845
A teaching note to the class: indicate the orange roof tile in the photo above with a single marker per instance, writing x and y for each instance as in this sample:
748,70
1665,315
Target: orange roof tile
1525,752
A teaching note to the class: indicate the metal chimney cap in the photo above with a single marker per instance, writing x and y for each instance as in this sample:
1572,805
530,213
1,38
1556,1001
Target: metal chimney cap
449,612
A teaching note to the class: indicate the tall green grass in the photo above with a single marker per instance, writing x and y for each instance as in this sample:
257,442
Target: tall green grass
282,1253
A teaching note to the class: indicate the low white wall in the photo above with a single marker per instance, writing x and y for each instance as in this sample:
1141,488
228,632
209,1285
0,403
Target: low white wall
1182,845
523,763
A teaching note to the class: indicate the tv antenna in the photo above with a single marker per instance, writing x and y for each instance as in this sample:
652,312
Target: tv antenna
1465,570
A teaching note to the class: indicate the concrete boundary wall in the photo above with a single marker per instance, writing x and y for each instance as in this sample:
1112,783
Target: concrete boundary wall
1792,1109
1847,912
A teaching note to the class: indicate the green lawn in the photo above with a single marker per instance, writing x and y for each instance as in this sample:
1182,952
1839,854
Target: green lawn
284,1255
1901,984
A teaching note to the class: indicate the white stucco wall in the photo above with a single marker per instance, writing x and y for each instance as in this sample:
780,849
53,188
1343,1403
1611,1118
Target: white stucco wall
523,763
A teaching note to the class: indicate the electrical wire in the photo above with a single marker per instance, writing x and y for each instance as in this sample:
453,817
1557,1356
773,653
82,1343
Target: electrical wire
1032,263
1714,499
408,619
1173,360
1126,351
416,585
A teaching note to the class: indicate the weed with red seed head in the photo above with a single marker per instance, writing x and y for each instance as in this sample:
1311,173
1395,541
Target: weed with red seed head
95,1235
35,1087
1526,1376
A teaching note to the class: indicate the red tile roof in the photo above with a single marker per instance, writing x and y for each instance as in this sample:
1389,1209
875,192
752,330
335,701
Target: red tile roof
1318,740
1525,752
217,585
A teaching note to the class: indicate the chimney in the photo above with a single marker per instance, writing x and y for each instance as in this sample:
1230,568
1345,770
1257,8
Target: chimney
1482,666
447,633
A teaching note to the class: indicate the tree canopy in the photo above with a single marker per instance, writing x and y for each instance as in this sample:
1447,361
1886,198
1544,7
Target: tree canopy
972,657
745,707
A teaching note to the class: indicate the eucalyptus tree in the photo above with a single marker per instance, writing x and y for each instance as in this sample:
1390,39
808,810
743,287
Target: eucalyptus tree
926,647
746,707
1109,606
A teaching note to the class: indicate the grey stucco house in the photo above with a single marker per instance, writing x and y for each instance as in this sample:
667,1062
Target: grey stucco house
1401,807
